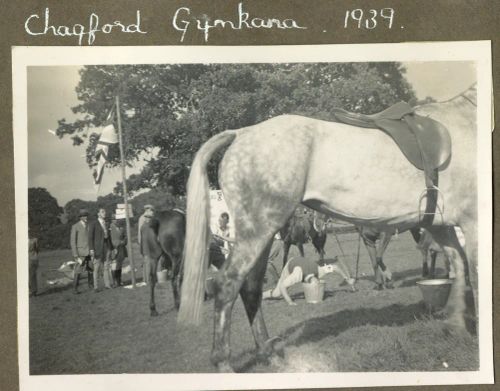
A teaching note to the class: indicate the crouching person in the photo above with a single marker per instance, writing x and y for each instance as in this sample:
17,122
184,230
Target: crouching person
300,269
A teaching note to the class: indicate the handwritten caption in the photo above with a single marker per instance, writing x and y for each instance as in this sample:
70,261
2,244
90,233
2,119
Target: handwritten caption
35,26
185,22
369,19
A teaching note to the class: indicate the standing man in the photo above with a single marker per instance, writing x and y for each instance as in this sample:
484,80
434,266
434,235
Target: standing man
221,235
79,241
146,217
119,252
33,251
100,249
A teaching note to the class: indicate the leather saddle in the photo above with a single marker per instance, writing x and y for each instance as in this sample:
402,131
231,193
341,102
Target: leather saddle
426,143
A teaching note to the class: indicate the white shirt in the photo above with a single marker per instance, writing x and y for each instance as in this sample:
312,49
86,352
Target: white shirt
103,225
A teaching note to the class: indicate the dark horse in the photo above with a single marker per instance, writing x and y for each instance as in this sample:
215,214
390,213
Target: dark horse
170,229
298,230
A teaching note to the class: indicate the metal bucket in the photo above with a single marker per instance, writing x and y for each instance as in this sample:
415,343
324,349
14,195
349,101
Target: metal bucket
162,276
435,292
314,291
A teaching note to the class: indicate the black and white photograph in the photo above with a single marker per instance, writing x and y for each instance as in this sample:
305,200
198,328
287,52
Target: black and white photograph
254,217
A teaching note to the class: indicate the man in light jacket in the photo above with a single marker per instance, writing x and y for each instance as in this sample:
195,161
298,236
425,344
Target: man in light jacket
79,241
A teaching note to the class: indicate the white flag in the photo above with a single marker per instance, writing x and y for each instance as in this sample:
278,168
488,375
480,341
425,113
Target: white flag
108,137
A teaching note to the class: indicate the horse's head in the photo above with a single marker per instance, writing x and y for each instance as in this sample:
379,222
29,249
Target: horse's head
319,222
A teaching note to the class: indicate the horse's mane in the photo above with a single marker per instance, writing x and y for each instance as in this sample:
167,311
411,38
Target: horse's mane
466,100
470,94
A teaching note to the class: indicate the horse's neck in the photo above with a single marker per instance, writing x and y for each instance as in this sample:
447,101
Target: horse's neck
470,95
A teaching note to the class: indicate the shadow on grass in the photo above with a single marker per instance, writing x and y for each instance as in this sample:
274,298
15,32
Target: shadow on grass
413,273
410,275
316,329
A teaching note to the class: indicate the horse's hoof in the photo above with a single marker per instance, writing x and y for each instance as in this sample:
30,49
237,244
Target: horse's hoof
379,287
224,367
455,324
274,345
154,313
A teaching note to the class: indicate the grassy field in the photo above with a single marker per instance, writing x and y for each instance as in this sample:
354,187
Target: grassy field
112,332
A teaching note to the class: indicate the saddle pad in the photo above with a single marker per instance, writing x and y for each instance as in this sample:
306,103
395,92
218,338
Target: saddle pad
432,136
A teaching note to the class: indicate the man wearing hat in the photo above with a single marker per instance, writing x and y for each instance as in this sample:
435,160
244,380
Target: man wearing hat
119,252
145,218
79,241
100,249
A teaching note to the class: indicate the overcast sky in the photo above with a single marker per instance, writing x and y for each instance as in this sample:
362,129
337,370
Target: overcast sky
61,168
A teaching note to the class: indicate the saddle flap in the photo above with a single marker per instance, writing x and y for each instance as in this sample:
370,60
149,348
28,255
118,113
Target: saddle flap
428,139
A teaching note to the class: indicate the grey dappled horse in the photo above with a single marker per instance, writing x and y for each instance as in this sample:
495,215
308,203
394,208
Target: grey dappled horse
347,172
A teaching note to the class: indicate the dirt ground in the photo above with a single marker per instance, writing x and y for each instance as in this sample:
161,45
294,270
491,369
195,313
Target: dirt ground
111,331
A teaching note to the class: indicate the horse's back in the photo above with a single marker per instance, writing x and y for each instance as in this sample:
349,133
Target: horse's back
356,174
171,231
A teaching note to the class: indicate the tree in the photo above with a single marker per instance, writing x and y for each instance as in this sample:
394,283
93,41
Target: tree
108,202
175,108
43,211
43,217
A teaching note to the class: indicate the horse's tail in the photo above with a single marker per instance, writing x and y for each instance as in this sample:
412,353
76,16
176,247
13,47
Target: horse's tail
195,261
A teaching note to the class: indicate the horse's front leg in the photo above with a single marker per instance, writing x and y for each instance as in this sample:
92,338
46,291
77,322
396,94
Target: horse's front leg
301,249
433,263
471,249
286,250
425,265
153,265
455,307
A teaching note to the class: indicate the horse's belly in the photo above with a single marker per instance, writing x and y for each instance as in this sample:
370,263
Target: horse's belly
361,174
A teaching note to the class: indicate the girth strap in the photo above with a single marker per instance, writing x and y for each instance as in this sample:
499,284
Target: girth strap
430,173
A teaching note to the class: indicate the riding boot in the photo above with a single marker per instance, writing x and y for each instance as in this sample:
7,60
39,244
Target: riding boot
90,280
119,277
381,264
75,283
113,278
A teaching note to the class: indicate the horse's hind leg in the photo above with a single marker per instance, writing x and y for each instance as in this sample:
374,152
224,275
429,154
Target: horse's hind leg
176,280
254,232
227,285
251,295
153,265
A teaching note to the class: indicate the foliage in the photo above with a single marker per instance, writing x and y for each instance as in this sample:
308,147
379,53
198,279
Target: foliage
43,214
56,237
173,109
161,199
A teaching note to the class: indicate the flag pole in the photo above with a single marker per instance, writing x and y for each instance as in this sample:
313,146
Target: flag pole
125,194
